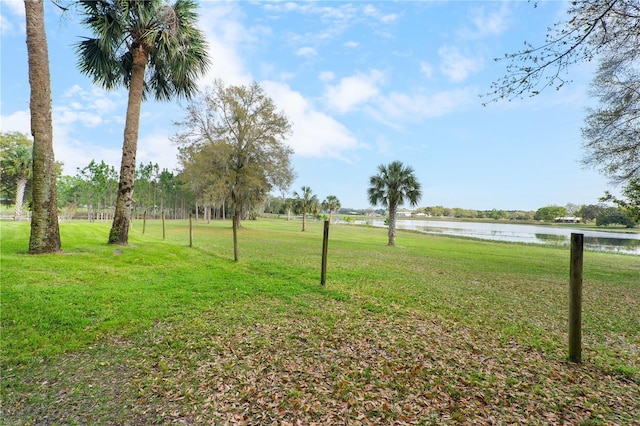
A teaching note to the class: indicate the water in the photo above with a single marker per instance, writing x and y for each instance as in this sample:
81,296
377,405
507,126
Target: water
535,234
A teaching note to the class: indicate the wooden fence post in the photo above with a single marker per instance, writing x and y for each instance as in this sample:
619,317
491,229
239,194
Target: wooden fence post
325,244
164,233
144,220
575,298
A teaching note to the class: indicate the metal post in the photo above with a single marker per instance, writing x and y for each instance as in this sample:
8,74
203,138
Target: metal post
164,234
325,244
575,298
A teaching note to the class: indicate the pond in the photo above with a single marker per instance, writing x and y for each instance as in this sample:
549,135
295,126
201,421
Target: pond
537,234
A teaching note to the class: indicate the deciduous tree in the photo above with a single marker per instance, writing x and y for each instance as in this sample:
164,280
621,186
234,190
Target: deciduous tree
630,204
549,213
233,141
607,31
612,129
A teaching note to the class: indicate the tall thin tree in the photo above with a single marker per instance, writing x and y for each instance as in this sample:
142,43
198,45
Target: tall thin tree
331,204
306,202
391,186
45,233
151,48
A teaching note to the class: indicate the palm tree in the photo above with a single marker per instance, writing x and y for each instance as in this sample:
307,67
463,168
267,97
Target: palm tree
288,204
390,187
331,203
45,232
19,165
16,157
151,48
306,203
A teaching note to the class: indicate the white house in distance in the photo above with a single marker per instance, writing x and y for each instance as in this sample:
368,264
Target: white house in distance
569,219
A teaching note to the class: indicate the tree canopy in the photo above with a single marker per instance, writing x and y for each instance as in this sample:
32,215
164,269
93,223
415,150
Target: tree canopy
149,47
630,203
233,146
331,204
549,213
305,202
394,184
591,28
606,31
611,131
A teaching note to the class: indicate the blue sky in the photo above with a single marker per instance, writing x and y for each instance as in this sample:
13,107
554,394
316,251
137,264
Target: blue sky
364,83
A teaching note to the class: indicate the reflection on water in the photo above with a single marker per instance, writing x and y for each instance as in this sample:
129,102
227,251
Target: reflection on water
597,240
551,238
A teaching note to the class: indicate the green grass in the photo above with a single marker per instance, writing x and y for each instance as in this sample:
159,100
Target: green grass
438,329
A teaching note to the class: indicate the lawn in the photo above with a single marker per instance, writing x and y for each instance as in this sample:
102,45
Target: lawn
436,330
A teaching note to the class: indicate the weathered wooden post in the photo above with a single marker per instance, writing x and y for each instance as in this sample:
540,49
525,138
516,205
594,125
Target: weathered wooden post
144,220
575,298
190,230
325,244
164,234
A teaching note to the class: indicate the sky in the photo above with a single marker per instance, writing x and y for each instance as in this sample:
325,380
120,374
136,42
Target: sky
364,83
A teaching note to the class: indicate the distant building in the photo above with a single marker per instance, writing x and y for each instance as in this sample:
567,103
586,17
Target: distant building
570,219
404,213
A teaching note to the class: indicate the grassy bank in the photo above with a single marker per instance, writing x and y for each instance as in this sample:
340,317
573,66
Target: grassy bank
437,330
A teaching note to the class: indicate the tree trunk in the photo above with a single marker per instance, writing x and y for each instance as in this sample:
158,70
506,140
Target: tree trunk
304,221
20,188
45,233
330,215
121,220
392,224
236,223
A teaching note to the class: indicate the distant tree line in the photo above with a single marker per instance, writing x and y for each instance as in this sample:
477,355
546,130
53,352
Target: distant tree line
92,193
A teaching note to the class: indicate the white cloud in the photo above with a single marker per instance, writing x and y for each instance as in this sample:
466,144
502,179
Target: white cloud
19,121
306,51
353,91
157,148
351,44
10,25
370,10
220,21
95,101
422,105
387,19
6,26
493,22
426,69
455,65
326,76
15,6
315,134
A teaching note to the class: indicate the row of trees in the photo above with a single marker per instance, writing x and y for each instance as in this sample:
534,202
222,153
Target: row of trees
96,186
155,49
